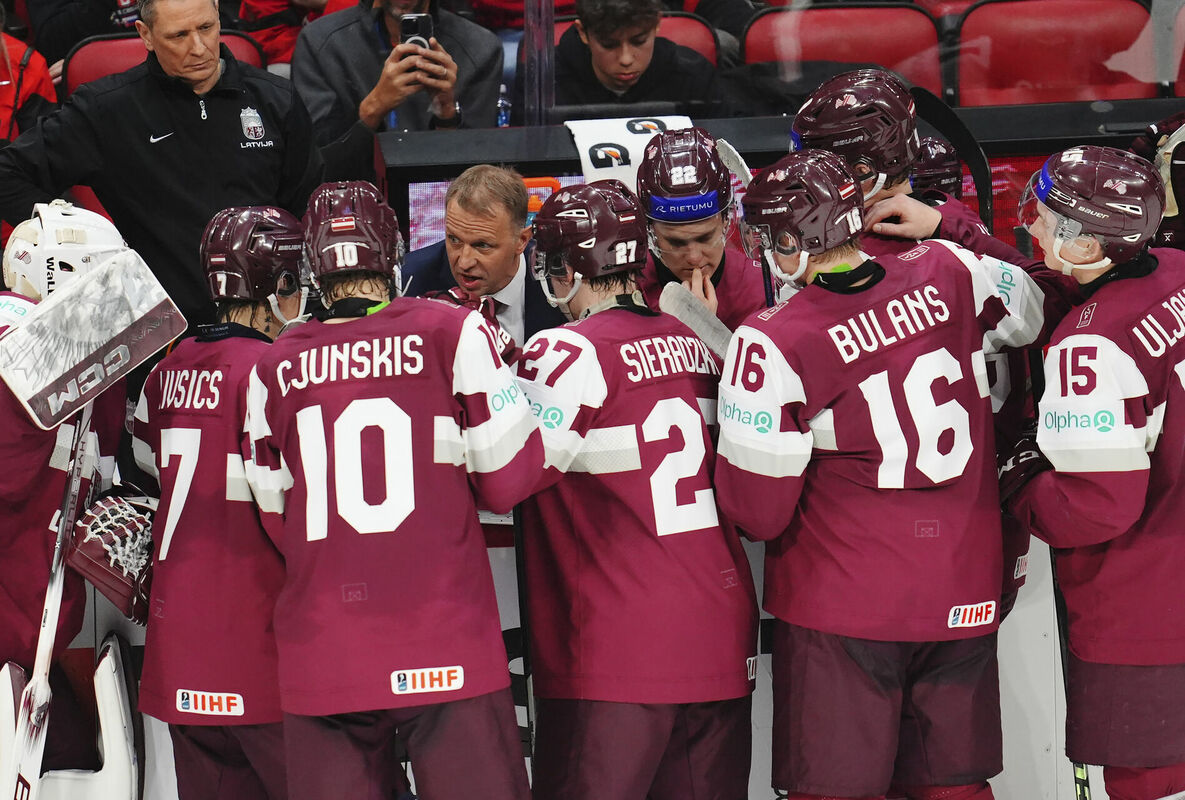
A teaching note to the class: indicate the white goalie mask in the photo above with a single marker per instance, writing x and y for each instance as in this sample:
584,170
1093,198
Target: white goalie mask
55,245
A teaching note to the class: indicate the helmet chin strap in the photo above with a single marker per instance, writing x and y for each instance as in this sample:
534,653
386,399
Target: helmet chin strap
881,178
796,278
1067,267
561,302
274,303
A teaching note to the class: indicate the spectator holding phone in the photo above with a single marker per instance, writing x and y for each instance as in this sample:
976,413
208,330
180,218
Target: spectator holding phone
393,65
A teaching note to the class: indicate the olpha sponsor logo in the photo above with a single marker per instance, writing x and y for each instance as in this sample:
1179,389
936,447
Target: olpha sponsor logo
1102,421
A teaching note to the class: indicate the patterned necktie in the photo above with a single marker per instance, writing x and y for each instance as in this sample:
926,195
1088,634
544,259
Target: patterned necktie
487,306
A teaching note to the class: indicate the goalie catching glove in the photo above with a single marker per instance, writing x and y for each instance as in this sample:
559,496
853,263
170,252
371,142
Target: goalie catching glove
111,547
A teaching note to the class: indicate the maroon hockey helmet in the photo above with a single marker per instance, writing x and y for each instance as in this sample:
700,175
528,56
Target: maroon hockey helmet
1160,144
868,117
806,203
682,179
596,229
1111,195
252,252
350,228
938,167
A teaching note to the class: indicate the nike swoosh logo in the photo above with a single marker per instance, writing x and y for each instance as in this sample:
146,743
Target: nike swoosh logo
155,139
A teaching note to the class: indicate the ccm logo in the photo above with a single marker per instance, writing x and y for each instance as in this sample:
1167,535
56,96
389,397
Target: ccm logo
219,704
428,679
972,616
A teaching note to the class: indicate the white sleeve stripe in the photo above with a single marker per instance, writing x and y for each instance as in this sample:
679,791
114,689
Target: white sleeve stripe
237,487
980,371
494,444
608,450
787,460
822,427
144,456
268,485
1155,425
449,446
707,409
1118,459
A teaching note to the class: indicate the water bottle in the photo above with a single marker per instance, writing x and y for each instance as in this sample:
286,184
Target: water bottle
503,107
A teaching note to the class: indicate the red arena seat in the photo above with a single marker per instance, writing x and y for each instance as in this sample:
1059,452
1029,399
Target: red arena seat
849,32
1027,51
98,56
678,26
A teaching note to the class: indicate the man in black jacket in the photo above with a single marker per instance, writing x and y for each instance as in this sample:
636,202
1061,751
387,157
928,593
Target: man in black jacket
168,143
613,55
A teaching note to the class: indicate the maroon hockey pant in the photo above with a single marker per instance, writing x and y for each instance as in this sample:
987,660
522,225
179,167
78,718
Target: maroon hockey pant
229,762
589,749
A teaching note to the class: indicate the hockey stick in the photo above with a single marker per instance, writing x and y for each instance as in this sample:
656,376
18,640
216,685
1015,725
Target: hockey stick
678,301
944,119
24,763
737,166
1081,775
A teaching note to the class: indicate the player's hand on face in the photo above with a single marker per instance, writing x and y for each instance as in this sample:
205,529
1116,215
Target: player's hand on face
903,217
703,289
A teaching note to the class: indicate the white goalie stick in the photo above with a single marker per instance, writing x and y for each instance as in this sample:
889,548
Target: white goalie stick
678,301
74,346
737,166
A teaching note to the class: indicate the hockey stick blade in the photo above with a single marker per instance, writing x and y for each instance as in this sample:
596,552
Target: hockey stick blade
86,336
734,161
678,301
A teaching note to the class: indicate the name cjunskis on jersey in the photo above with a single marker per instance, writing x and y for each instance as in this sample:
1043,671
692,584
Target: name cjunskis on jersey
367,358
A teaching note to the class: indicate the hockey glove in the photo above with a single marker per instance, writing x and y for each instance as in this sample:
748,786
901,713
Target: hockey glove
1019,464
111,547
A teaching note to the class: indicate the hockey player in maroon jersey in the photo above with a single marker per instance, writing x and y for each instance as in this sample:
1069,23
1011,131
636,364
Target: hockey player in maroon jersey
57,244
854,431
867,116
686,192
210,655
375,435
1111,425
643,616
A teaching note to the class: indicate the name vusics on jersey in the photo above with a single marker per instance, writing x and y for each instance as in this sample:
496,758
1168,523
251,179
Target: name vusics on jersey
368,358
660,356
899,318
195,389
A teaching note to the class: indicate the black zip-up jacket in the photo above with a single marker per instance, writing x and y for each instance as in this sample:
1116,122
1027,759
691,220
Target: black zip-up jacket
162,160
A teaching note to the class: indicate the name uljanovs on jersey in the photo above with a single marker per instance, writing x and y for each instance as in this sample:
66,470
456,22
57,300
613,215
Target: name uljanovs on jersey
190,388
907,315
427,679
1154,336
659,356
367,358
218,704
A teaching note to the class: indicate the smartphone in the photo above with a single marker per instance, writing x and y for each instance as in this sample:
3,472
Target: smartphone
415,29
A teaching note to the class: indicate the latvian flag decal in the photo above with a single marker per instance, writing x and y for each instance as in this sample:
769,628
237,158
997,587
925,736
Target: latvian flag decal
847,190
342,224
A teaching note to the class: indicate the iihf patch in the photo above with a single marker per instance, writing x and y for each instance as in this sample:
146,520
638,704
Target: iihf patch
972,616
427,679
342,224
917,252
1086,316
217,704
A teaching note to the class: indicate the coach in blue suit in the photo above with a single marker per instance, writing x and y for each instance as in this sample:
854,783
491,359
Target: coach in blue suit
486,236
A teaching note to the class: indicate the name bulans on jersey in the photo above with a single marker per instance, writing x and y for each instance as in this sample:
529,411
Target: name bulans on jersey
660,356
881,326
382,357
